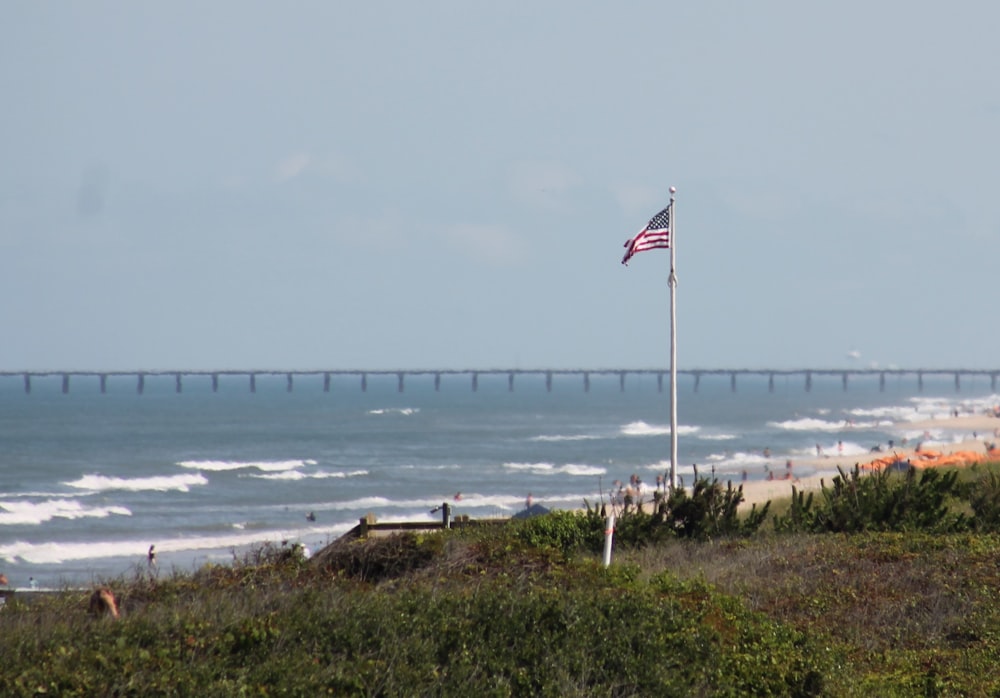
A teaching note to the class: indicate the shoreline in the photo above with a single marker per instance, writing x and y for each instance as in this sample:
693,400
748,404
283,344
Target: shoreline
970,436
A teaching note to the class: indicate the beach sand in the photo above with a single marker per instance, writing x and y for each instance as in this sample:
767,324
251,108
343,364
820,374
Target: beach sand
963,433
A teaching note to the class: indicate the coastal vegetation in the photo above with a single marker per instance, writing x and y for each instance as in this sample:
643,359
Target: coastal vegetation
882,584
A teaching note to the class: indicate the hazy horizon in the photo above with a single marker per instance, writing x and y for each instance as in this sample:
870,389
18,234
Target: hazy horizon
384,186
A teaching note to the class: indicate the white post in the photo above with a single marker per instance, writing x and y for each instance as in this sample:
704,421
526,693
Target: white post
609,533
672,281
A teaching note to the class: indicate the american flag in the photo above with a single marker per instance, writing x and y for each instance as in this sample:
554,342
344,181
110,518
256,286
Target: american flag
655,234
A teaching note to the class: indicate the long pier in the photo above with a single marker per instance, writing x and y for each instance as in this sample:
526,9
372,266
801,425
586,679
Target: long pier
806,375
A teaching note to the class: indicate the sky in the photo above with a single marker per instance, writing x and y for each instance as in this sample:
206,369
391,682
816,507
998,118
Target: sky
449,184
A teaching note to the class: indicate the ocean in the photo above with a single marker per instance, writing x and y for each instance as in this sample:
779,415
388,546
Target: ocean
89,480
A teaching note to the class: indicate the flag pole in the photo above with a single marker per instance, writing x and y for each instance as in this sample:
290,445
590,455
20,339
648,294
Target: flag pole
672,282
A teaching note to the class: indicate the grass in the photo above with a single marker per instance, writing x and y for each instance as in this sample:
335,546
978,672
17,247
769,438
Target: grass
526,610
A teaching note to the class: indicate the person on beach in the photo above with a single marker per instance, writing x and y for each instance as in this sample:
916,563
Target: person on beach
3,580
630,495
529,501
151,557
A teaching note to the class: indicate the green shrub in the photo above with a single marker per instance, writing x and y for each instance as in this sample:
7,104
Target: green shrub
710,511
566,531
380,558
880,501
984,499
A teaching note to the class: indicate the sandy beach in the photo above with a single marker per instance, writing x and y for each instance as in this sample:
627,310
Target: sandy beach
964,433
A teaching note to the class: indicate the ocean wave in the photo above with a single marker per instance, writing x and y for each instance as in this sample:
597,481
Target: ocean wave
264,466
735,461
560,437
294,475
833,450
162,483
56,553
552,469
641,428
364,503
807,424
890,415
529,466
717,437
938,436
923,408
435,466
404,411
33,513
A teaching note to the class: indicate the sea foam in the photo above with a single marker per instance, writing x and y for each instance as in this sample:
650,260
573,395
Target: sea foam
55,553
264,466
808,424
641,428
14,513
156,483
295,475
551,469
